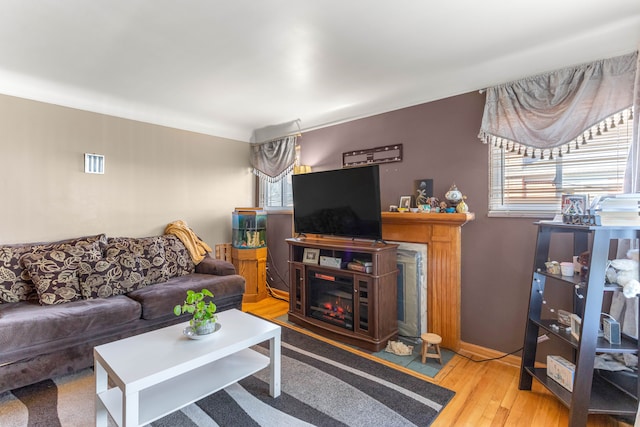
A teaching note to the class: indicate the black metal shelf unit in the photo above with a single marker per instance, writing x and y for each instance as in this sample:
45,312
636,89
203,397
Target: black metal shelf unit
592,393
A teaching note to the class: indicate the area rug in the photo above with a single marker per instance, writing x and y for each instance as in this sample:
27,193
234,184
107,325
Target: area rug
322,385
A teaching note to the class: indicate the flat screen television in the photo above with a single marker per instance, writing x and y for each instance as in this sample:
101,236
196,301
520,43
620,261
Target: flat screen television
341,202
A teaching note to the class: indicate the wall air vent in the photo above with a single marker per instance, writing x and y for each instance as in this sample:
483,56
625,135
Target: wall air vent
93,163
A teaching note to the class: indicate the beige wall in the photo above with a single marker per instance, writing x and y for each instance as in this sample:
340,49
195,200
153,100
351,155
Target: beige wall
154,175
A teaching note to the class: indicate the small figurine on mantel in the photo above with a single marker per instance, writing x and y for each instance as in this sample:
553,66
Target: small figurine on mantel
434,204
454,196
462,206
443,207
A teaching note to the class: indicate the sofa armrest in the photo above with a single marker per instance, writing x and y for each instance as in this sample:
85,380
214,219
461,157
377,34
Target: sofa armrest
218,267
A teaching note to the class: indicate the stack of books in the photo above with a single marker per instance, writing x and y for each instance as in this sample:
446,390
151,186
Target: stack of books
360,265
619,209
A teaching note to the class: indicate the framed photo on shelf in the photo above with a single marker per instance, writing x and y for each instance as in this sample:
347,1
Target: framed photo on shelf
574,204
576,324
311,256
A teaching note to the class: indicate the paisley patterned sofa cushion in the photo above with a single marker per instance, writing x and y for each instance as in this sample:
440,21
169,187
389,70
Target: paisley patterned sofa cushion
15,281
161,257
117,273
55,272
178,260
150,252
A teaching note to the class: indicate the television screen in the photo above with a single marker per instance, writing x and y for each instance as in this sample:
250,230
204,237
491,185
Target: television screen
342,202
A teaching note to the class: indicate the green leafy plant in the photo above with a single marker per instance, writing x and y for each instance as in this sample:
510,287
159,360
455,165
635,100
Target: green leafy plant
194,304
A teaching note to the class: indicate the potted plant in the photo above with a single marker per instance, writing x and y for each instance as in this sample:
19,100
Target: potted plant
204,318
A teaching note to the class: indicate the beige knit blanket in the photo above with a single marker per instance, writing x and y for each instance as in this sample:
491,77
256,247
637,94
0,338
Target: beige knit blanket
196,247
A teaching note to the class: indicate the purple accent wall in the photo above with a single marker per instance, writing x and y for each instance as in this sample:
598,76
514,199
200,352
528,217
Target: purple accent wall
440,142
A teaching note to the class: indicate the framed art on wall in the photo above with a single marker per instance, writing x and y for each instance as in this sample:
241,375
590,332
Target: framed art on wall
385,154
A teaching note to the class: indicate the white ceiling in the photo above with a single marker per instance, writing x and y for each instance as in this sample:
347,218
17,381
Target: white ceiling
226,67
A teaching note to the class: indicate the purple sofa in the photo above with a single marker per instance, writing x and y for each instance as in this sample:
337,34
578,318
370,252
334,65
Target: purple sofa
60,299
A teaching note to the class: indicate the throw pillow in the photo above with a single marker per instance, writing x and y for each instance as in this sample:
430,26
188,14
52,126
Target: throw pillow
150,252
118,273
178,260
13,286
15,281
55,272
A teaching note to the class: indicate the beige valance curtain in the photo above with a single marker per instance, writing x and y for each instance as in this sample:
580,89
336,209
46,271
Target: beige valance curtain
555,110
272,155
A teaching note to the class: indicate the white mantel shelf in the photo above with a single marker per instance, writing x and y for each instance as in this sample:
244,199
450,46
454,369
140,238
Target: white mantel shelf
442,234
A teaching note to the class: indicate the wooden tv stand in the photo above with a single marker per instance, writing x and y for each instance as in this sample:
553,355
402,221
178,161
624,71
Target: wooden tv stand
356,307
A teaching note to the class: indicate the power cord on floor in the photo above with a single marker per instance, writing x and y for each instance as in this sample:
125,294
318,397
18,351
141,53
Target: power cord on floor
489,359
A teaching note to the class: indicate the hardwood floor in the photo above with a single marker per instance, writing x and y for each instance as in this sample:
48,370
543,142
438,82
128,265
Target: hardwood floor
486,392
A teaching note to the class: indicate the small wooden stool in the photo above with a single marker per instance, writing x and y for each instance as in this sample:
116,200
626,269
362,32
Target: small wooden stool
431,340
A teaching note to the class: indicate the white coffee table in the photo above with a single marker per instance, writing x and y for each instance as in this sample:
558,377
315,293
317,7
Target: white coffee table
159,372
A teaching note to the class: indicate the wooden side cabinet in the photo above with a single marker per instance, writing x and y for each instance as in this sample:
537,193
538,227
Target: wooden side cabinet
252,265
339,302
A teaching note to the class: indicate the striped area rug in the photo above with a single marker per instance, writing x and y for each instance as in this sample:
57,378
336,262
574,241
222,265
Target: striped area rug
322,385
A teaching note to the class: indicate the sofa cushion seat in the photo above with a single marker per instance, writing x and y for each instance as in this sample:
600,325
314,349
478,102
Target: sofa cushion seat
158,300
28,324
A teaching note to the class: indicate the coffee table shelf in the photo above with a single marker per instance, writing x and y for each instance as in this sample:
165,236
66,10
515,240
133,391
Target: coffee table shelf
162,399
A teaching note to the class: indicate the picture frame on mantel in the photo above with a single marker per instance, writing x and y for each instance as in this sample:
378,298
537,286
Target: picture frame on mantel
405,202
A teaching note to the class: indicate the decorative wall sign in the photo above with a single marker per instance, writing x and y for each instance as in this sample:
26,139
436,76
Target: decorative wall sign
386,154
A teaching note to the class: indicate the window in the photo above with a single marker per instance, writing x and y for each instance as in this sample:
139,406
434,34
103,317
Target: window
533,186
275,194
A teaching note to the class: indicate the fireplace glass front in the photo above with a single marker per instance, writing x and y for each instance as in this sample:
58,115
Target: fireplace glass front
330,298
